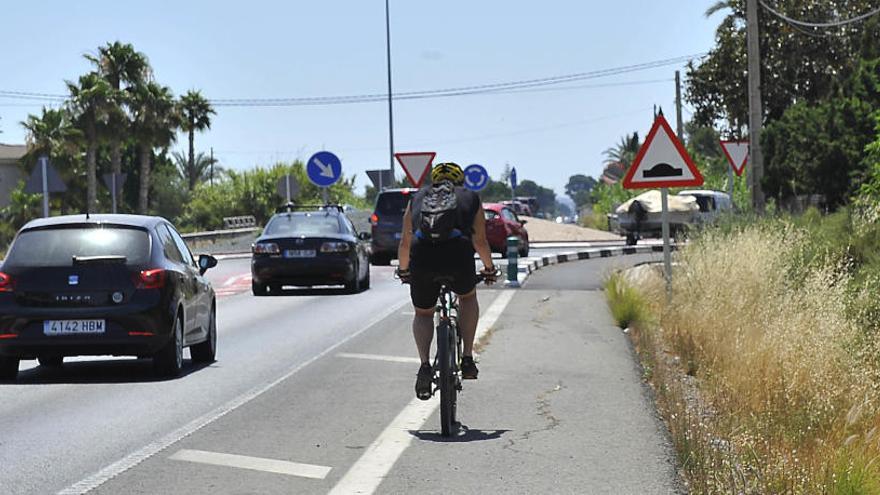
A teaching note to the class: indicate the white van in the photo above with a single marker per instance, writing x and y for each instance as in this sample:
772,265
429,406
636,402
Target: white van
712,203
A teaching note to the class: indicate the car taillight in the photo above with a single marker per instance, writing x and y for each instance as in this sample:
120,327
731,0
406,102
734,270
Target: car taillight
374,219
265,248
151,279
335,247
7,284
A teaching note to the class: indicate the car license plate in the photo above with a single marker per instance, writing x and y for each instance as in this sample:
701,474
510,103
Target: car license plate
299,253
73,327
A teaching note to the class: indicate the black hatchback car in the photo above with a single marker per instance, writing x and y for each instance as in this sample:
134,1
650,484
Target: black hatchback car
387,222
104,285
309,246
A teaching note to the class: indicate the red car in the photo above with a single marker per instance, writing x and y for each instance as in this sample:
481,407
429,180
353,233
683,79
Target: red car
501,223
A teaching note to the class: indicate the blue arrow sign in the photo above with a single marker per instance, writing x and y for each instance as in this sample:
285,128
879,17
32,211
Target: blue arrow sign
324,169
513,178
475,177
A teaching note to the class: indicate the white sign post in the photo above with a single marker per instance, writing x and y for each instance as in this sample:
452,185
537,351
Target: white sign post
662,162
737,153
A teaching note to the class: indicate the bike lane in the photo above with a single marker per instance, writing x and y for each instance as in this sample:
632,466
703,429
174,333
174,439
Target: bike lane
559,407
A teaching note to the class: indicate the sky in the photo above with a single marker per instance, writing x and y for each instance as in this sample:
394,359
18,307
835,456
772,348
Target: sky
284,49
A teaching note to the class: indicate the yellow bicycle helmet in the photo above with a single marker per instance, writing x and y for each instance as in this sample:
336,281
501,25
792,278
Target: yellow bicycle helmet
447,171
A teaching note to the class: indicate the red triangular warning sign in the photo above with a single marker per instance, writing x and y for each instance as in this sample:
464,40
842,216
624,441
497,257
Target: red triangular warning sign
416,165
737,153
662,162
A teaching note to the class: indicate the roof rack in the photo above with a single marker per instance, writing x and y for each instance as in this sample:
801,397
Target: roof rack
291,206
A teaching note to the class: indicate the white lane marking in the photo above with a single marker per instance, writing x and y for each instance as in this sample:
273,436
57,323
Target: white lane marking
376,462
379,357
252,463
144,453
236,279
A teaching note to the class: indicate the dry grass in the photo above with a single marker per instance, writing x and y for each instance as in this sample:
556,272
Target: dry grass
767,383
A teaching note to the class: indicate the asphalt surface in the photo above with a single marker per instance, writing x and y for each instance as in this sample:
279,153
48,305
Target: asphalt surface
311,389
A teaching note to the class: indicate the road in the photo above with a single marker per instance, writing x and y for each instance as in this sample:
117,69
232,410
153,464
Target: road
306,385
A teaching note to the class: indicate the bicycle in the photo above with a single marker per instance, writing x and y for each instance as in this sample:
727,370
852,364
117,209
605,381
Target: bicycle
447,362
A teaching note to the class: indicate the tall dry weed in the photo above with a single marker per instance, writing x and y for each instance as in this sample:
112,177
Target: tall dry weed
787,382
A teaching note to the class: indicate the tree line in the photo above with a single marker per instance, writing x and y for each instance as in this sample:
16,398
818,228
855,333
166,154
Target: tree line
821,103
119,119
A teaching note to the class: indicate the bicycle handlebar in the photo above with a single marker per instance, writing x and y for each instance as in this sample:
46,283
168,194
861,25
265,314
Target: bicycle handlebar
480,275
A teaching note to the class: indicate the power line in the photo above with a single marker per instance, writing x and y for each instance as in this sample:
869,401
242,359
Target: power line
834,24
493,88
458,91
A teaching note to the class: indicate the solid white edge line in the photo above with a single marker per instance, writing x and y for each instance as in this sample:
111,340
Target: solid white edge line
99,478
368,472
252,463
379,357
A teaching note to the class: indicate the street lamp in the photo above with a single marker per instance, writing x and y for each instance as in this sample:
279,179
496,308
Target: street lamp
390,105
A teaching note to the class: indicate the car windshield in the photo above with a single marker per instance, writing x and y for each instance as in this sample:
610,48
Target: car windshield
303,224
393,203
59,246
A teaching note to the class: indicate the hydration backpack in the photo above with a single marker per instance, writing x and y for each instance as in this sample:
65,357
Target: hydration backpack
439,213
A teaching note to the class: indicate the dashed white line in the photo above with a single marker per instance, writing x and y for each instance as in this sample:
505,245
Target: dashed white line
253,463
99,478
373,466
379,357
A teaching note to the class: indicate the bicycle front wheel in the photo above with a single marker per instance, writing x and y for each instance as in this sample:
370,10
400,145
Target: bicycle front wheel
448,392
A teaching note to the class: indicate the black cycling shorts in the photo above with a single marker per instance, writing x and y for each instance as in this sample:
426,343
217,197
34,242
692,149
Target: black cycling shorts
454,258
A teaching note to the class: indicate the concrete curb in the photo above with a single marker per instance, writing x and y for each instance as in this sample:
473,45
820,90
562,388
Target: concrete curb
527,266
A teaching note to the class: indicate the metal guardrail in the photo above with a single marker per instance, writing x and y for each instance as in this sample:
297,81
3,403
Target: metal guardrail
218,234
241,222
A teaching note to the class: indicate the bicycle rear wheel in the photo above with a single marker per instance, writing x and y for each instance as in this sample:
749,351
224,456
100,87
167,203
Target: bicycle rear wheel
446,349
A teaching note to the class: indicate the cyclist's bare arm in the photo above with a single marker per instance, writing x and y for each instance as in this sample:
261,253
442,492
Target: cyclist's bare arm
406,240
481,244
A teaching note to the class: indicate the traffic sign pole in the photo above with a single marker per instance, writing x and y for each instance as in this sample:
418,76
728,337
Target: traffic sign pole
113,192
43,161
667,255
730,182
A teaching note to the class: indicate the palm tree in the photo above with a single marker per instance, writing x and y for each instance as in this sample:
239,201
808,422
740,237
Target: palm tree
195,113
155,125
49,134
200,172
120,63
91,101
625,151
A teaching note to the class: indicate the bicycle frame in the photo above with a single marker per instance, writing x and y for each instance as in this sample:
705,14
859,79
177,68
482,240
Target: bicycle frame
447,363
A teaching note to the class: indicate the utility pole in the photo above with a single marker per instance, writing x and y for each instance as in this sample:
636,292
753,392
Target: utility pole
679,127
390,106
212,166
756,158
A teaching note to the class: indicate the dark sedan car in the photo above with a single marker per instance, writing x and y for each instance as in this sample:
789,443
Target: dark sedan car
310,246
104,285
387,222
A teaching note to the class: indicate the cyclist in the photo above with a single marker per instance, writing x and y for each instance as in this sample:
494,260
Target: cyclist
423,260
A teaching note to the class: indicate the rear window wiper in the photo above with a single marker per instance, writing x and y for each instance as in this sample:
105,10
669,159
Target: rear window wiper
100,260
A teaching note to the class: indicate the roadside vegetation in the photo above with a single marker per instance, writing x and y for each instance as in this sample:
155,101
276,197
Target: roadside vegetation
765,359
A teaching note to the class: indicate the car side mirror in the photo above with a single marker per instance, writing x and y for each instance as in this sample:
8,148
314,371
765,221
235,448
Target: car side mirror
206,261
364,236
522,222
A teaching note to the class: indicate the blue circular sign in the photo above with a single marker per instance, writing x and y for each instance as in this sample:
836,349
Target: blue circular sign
513,178
475,177
324,169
